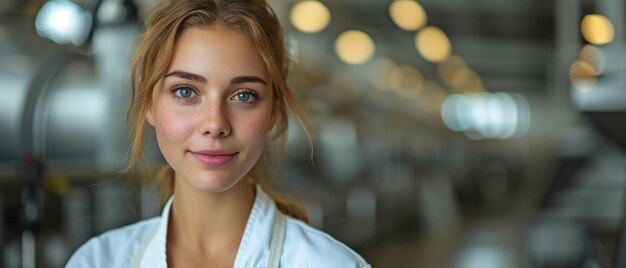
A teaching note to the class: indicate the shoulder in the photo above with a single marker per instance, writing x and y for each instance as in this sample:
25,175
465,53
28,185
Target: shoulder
114,248
306,246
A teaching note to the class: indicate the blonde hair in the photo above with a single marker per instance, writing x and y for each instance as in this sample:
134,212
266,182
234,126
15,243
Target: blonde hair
253,18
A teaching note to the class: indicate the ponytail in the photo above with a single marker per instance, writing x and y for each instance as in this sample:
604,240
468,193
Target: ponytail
286,207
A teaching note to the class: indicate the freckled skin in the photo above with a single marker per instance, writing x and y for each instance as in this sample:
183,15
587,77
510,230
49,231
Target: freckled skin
215,117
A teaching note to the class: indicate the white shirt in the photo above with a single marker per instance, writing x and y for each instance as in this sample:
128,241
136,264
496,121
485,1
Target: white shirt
144,243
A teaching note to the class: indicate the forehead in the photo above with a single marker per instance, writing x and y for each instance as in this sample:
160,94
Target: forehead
216,51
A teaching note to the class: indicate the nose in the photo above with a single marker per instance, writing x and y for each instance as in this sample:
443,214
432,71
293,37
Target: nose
215,121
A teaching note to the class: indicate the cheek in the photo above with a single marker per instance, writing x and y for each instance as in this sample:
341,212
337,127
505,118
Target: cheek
254,129
172,129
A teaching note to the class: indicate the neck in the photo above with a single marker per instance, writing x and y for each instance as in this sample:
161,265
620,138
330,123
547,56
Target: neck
209,223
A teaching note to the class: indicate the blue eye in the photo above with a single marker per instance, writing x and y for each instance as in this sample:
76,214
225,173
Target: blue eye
245,96
184,92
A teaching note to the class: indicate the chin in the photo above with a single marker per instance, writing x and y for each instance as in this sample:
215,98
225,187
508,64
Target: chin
215,183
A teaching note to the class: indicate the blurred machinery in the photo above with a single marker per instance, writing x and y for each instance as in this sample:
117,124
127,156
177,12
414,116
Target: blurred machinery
389,162
63,107
383,166
585,205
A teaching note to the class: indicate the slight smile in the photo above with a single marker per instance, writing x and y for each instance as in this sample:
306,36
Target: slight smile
214,158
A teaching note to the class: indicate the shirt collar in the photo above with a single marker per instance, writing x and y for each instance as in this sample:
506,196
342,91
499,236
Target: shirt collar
254,247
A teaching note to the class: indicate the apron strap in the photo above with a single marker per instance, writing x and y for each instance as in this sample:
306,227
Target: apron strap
144,244
277,240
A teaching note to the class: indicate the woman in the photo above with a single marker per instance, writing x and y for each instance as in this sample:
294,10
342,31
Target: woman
210,77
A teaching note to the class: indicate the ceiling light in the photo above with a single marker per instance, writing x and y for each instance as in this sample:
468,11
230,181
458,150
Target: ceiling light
354,47
63,22
597,29
487,115
407,14
582,75
310,16
433,44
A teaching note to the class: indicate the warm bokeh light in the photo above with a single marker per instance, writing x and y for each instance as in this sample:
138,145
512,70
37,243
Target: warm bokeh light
594,56
406,80
354,47
582,75
597,29
433,44
455,73
448,68
407,14
310,16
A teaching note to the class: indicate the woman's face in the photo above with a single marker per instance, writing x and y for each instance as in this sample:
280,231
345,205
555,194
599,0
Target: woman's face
213,109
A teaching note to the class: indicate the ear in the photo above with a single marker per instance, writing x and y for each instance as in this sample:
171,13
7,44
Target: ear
150,115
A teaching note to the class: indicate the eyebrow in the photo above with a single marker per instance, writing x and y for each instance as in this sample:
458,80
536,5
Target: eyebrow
247,79
201,79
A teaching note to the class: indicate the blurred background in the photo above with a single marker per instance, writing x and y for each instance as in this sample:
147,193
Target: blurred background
448,133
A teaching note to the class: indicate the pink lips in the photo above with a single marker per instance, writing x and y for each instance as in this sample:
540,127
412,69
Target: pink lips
214,158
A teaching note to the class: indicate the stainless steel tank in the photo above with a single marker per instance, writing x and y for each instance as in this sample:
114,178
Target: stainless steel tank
63,105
